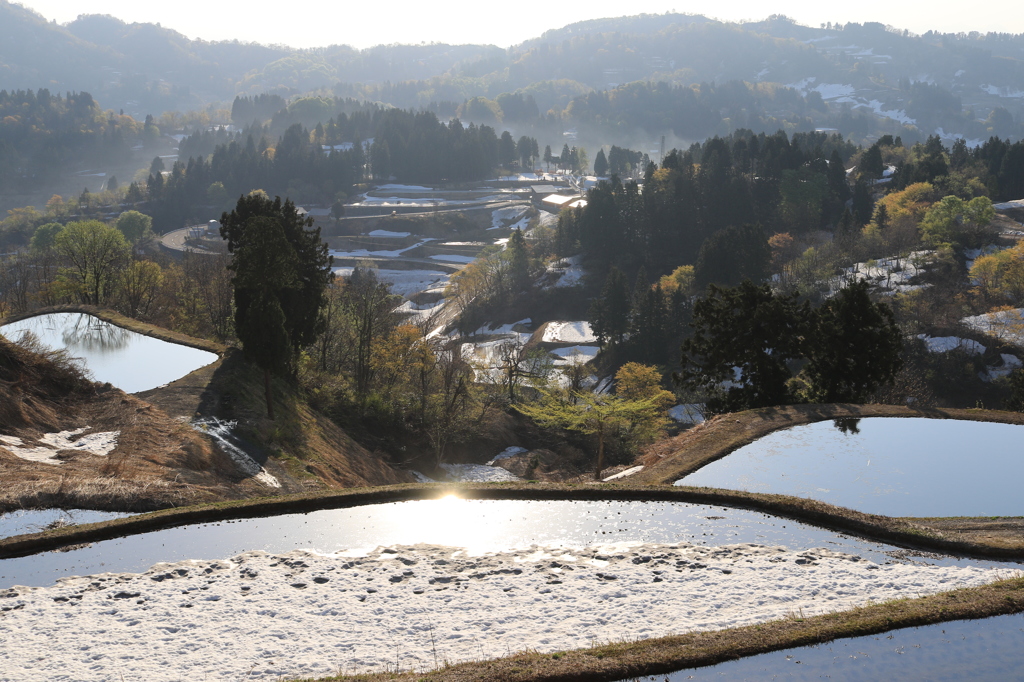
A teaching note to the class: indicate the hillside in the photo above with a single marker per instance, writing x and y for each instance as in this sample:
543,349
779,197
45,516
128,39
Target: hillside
69,442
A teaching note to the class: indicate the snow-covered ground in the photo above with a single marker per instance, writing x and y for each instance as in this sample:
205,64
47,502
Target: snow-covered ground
1008,364
502,217
945,344
504,329
259,616
389,234
575,355
569,271
384,253
101,443
624,474
568,332
487,354
1006,325
419,312
478,473
893,274
510,451
406,282
1006,92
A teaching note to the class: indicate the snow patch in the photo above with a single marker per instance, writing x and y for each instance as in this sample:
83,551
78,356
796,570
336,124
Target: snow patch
1005,325
510,451
575,355
623,474
569,271
220,432
389,234
1009,363
478,473
100,443
262,616
945,344
568,332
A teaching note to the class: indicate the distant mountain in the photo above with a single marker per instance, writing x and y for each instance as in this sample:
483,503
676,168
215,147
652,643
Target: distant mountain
873,78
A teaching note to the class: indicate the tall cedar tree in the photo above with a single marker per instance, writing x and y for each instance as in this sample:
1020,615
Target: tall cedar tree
302,304
265,268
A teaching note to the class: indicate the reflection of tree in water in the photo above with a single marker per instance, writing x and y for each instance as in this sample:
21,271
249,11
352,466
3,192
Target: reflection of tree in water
847,425
93,335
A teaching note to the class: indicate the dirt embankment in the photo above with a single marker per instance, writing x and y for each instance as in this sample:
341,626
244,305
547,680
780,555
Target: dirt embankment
159,460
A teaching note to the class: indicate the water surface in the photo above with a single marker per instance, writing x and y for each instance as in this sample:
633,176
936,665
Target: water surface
895,467
991,649
478,525
128,360
34,520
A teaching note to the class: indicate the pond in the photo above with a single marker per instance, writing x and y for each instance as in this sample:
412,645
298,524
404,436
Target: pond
986,650
895,467
128,360
413,585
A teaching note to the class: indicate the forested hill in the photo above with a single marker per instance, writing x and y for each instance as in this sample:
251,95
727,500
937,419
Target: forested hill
620,80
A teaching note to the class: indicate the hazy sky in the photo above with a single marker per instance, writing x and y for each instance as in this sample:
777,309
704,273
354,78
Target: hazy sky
362,24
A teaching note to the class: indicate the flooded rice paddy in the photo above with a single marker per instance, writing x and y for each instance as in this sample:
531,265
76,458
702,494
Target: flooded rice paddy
128,360
478,526
895,467
986,650
35,520
412,585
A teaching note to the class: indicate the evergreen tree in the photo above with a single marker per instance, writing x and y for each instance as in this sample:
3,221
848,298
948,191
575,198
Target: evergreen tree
518,262
853,347
837,177
881,217
302,304
590,414
871,163
565,160
745,336
732,255
265,267
609,314
862,204
600,164
649,325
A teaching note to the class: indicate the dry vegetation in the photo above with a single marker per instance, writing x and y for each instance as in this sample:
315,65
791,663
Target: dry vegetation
160,461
